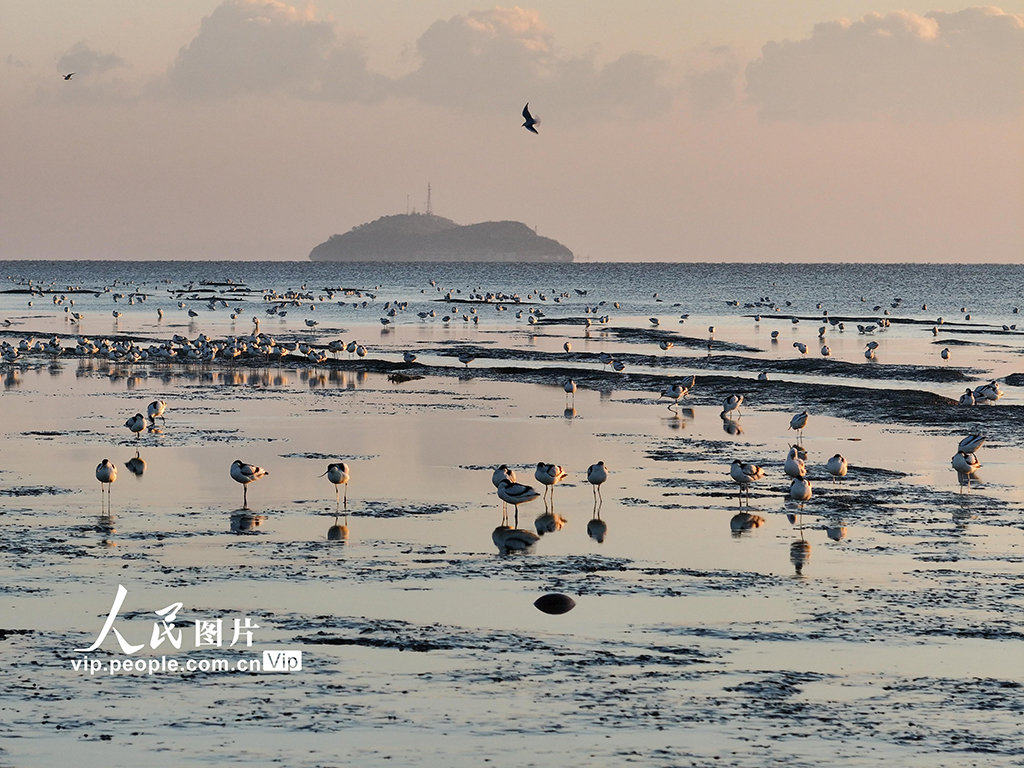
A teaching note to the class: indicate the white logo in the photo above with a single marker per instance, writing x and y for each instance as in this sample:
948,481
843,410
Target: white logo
282,661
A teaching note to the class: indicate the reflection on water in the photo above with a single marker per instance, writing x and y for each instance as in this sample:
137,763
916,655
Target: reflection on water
836,532
569,413
244,522
338,532
549,522
731,426
744,521
597,528
799,554
509,540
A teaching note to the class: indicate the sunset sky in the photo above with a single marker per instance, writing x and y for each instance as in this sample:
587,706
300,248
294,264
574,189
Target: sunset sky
689,130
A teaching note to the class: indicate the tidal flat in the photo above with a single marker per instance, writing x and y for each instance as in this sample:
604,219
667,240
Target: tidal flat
879,621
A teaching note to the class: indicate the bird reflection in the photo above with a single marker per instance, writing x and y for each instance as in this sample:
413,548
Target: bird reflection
338,532
550,521
799,550
836,532
799,554
105,527
731,427
597,528
509,540
569,413
744,521
136,465
244,522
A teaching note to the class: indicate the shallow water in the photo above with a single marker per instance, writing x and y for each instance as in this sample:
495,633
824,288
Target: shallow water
689,643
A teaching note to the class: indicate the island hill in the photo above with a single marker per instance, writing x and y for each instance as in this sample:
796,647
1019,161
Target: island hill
426,237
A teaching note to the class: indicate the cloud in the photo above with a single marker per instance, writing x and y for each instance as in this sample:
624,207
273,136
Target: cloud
485,60
712,85
480,61
252,46
84,61
940,65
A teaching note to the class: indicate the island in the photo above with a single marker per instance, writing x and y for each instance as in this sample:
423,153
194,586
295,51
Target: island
426,237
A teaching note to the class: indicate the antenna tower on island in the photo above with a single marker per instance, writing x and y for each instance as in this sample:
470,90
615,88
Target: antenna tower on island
430,208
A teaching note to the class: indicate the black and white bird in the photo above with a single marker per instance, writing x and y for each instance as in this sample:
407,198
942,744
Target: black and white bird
530,119
69,75
246,473
338,474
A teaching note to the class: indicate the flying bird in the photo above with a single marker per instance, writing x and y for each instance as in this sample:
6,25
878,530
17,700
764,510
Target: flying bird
68,75
530,119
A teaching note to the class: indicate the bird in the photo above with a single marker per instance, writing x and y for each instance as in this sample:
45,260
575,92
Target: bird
826,351
567,347
136,424
800,347
732,403
794,465
570,389
596,475
549,474
836,466
465,358
338,474
745,474
967,398
503,473
800,489
516,493
965,464
106,473
799,421
530,119
69,75
246,473
409,357
674,393
156,410
971,443
944,354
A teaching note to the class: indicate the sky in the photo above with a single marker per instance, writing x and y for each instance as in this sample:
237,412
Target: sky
671,130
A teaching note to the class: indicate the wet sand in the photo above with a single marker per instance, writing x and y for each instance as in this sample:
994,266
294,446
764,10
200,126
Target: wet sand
879,622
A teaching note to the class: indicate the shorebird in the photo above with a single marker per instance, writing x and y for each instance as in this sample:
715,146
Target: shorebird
794,465
744,475
967,398
596,475
530,119
990,391
674,393
567,347
570,389
826,351
338,474
156,410
732,403
800,347
836,467
409,357
106,473
944,354
69,75
971,443
465,358
136,424
246,473
965,464
516,493
800,489
798,422
549,475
